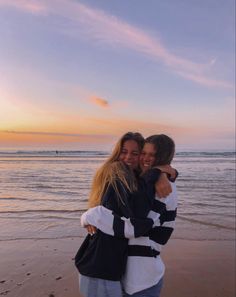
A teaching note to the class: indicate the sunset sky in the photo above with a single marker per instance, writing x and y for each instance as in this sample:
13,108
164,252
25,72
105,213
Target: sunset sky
77,74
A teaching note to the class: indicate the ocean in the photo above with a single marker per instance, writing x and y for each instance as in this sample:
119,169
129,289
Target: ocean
43,193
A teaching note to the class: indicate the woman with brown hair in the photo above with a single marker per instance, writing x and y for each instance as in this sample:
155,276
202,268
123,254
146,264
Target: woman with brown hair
101,259
145,269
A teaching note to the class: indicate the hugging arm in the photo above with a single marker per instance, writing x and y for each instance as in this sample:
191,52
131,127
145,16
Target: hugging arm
158,226
162,233
110,223
112,216
161,176
166,207
171,172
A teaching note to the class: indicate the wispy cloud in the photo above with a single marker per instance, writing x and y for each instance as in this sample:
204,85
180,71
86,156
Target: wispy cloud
52,133
19,138
40,133
99,101
206,81
118,126
31,6
108,29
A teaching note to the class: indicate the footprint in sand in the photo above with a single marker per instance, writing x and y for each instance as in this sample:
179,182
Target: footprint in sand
4,293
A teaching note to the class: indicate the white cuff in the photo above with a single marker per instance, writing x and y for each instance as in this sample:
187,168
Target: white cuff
83,220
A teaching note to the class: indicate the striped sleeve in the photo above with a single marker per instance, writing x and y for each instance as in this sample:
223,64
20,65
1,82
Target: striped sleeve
112,224
163,228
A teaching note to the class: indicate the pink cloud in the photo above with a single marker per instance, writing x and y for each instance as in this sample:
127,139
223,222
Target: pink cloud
108,29
206,81
32,6
99,101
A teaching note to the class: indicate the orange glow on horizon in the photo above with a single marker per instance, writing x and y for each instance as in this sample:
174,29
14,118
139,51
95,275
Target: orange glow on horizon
8,138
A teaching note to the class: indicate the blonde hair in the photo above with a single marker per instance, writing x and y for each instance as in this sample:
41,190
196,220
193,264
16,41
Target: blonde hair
113,170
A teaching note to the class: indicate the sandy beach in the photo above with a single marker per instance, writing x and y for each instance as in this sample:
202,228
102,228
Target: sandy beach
45,268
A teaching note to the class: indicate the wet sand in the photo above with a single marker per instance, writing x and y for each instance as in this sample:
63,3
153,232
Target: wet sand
45,268
199,269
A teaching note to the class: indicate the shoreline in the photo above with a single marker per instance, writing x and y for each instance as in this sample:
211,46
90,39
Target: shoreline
45,268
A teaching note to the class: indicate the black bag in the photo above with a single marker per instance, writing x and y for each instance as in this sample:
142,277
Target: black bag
102,256
83,250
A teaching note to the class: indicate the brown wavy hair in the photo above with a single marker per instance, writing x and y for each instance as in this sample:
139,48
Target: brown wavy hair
164,146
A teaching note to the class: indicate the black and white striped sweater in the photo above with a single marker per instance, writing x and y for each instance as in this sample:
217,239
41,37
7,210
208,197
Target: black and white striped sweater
105,256
144,265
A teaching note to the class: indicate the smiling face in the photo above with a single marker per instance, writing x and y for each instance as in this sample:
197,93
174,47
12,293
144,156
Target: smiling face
148,156
130,154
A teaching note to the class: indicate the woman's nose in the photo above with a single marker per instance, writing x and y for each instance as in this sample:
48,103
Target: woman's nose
128,156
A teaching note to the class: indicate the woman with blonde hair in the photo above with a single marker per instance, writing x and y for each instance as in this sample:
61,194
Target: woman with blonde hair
127,150
101,259
144,268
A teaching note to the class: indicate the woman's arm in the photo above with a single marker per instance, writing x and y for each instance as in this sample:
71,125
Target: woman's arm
110,223
158,227
157,182
172,172
160,177
161,234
